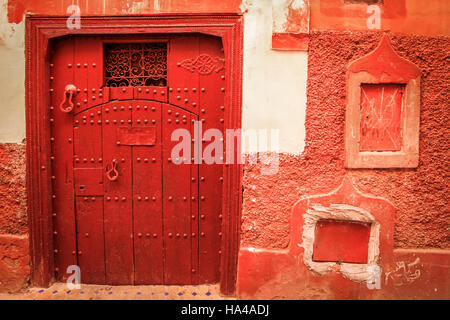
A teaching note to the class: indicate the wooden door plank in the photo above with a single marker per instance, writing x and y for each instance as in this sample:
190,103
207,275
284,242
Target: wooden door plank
183,81
90,239
88,139
147,196
88,70
177,200
118,204
194,205
89,182
62,166
212,115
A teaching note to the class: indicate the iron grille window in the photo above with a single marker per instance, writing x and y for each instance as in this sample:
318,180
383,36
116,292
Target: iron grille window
135,64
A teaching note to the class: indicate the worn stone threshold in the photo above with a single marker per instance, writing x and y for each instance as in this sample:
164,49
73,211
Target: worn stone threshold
60,291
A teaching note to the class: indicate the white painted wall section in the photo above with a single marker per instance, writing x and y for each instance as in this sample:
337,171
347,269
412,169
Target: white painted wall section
274,82
12,78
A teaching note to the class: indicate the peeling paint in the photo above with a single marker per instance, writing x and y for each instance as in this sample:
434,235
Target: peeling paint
290,16
11,34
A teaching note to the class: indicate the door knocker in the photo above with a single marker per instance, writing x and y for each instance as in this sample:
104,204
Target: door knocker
112,174
69,91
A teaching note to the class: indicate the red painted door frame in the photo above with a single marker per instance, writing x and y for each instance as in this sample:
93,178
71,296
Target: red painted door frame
39,31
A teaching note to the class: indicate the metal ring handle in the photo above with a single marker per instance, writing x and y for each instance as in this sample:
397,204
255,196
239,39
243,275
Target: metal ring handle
69,91
112,174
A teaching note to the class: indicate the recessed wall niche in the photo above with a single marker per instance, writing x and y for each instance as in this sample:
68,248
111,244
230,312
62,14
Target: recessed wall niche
383,110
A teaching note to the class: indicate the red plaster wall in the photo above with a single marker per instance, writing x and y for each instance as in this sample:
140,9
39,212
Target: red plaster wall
13,215
14,262
17,8
14,244
420,195
426,17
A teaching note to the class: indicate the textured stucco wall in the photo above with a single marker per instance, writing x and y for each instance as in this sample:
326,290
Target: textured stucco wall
419,195
14,258
13,216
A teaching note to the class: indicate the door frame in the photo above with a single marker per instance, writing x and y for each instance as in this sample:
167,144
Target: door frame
39,31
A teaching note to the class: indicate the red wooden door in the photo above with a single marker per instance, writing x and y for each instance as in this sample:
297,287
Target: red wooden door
124,211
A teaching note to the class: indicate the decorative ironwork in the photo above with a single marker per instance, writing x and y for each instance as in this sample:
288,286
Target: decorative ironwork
203,64
136,64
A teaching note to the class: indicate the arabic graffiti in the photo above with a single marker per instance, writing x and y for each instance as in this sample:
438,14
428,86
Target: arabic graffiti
404,273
